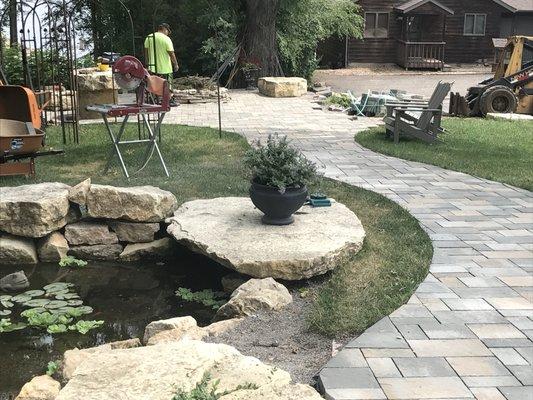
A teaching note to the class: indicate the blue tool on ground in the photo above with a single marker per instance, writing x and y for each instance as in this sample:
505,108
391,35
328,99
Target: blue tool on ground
319,200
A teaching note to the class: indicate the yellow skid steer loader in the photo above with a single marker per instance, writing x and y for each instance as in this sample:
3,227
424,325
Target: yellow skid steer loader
509,91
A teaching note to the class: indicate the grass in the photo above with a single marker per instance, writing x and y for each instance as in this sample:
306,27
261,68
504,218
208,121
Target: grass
394,259
497,150
200,164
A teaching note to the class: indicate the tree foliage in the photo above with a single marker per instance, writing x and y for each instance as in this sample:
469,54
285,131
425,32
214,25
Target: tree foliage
205,32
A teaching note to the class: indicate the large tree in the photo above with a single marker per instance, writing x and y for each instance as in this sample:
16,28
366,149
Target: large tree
259,38
13,22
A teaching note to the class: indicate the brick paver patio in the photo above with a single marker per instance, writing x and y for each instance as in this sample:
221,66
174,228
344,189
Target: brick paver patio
467,331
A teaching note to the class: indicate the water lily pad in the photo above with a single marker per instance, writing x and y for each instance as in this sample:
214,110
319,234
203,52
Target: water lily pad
56,304
6,303
30,311
21,298
67,296
85,309
59,328
4,313
15,327
36,303
74,302
56,286
34,293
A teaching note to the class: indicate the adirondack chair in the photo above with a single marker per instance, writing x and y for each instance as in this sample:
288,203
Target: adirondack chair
417,120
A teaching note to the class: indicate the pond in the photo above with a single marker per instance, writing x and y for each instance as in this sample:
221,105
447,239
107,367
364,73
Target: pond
125,296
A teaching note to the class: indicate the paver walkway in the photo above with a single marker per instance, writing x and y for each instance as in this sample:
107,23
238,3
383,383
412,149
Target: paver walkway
467,331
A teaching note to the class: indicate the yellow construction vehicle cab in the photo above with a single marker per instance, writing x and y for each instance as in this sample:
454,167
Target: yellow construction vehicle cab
511,89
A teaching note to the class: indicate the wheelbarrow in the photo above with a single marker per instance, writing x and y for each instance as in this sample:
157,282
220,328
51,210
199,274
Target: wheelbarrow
21,137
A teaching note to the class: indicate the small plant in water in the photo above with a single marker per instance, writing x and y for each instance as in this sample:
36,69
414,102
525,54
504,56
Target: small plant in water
70,261
53,308
85,326
51,368
206,297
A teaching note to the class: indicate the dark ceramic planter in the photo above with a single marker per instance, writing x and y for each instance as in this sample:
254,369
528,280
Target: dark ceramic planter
277,207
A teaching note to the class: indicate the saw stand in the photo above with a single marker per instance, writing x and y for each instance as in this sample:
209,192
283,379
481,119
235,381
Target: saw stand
152,84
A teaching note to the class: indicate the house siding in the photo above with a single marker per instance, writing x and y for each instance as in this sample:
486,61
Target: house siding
459,47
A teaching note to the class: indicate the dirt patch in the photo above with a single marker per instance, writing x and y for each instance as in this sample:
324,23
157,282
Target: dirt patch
283,339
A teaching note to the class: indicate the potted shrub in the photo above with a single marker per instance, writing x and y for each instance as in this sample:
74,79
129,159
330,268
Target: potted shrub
280,175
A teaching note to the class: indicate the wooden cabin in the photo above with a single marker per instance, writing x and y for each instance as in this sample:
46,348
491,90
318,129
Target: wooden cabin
426,34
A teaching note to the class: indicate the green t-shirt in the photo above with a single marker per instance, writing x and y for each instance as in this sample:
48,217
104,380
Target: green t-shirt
158,54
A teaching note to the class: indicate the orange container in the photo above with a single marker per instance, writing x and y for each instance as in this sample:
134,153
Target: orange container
18,103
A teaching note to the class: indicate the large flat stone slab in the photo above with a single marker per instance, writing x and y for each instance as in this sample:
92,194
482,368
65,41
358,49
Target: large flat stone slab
158,372
34,210
229,230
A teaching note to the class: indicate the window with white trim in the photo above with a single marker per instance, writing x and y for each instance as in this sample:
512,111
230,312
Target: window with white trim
376,25
475,24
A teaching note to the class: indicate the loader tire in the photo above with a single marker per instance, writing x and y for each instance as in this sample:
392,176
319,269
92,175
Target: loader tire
498,99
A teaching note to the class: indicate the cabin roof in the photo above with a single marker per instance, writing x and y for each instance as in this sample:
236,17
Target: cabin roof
517,5
411,5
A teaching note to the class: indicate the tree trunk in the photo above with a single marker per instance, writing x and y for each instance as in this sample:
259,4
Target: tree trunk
13,23
259,36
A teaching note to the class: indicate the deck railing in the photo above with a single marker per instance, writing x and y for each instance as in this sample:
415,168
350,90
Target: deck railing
420,55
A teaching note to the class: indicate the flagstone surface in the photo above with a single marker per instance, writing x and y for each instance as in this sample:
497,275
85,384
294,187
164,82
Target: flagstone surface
467,331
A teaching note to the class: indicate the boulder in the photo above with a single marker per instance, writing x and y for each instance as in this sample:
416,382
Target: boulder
98,252
78,194
137,204
72,359
159,372
41,387
253,296
17,250
52,248
282,87
93,80
34,210
14,282
174,329
229,230
134,232
83,233
232,281
153,250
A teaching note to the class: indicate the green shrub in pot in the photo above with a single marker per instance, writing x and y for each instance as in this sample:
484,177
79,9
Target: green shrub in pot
280,175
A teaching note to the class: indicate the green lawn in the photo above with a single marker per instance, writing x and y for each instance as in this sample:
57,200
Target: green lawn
498,150
394,259
200,164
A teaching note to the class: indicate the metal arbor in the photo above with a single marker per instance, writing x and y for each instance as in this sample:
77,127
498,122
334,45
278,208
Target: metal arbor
46,56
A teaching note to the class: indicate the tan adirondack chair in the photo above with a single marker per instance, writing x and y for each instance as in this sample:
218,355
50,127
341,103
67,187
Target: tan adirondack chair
417,120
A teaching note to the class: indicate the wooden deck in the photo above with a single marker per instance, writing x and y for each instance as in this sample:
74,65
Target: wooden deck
420,55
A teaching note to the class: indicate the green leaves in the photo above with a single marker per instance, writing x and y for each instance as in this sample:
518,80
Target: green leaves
85,326
206,297
51,368
44,312
7,326
72,262
279,165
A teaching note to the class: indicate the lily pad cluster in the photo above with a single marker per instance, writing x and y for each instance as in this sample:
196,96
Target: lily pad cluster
54,308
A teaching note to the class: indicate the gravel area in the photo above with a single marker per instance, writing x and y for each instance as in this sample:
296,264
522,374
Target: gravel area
282,339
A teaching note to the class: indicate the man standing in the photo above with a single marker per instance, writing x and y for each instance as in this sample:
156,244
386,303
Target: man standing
159,53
